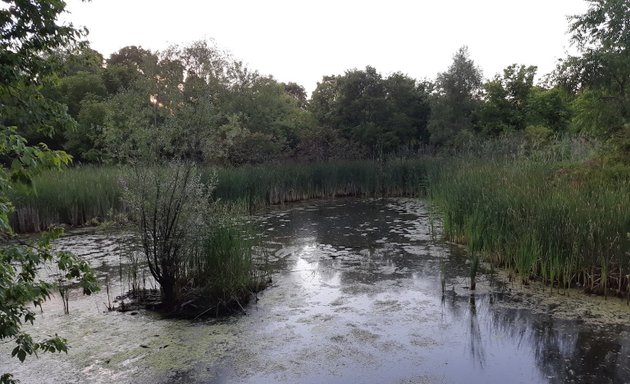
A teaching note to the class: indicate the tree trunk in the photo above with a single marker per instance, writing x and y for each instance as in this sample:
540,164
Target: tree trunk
167,287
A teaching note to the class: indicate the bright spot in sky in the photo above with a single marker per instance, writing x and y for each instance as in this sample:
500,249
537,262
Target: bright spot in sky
302,41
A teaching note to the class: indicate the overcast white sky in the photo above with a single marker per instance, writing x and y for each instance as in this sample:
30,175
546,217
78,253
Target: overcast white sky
301,41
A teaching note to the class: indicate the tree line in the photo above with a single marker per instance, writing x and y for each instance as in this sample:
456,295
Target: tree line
199,103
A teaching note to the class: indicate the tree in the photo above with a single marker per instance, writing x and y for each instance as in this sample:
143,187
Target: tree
455,100
132,124
362,109
136,125
507,100
126,66
28,33
78,74
354,106
377,115
81,59
601,74
171,209
408,105
298,93
81,87
324,99
134,57
75,88
85,142
270,117
196,103
549,108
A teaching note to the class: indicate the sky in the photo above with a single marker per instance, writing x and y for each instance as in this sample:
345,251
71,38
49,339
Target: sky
303,40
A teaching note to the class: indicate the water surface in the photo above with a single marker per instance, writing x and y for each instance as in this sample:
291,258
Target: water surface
356,298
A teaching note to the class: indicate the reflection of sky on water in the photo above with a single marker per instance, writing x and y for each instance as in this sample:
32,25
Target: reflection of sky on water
365,276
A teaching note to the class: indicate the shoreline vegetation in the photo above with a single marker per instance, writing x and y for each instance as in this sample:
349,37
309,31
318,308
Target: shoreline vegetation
545,217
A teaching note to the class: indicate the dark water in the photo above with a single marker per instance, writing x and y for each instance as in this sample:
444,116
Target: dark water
356,298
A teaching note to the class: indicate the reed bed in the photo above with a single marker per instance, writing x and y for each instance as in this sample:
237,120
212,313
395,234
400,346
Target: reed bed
563,225
257,186
85,195
74,197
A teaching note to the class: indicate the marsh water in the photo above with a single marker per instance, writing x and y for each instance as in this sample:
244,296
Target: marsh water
356,298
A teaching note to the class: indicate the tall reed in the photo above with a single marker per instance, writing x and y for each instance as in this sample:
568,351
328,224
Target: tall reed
564,224
275,184
223,267
82,195
74,197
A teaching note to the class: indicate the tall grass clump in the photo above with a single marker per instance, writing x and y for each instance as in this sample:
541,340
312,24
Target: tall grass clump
268,184
224,270
82,195
73,197
567,225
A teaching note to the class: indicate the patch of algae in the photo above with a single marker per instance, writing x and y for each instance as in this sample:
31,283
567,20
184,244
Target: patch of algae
571,304
182,351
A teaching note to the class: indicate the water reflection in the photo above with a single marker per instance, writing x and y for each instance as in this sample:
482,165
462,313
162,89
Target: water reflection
374,266
477,353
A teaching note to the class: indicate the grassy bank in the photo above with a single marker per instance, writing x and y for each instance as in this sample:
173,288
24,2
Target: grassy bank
85,195
564,225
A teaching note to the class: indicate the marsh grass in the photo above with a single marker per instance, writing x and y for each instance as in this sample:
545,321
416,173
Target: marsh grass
566,225
257,186
91,195
78,196
224,271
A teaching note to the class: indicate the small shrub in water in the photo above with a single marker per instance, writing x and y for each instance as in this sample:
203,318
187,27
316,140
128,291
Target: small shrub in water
171,209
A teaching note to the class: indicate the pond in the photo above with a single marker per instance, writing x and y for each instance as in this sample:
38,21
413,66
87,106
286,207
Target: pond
356,297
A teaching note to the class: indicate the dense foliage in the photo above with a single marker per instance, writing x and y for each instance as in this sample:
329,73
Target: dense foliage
29,33
199,103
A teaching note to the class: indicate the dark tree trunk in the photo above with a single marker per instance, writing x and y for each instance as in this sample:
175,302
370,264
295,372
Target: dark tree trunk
167,288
